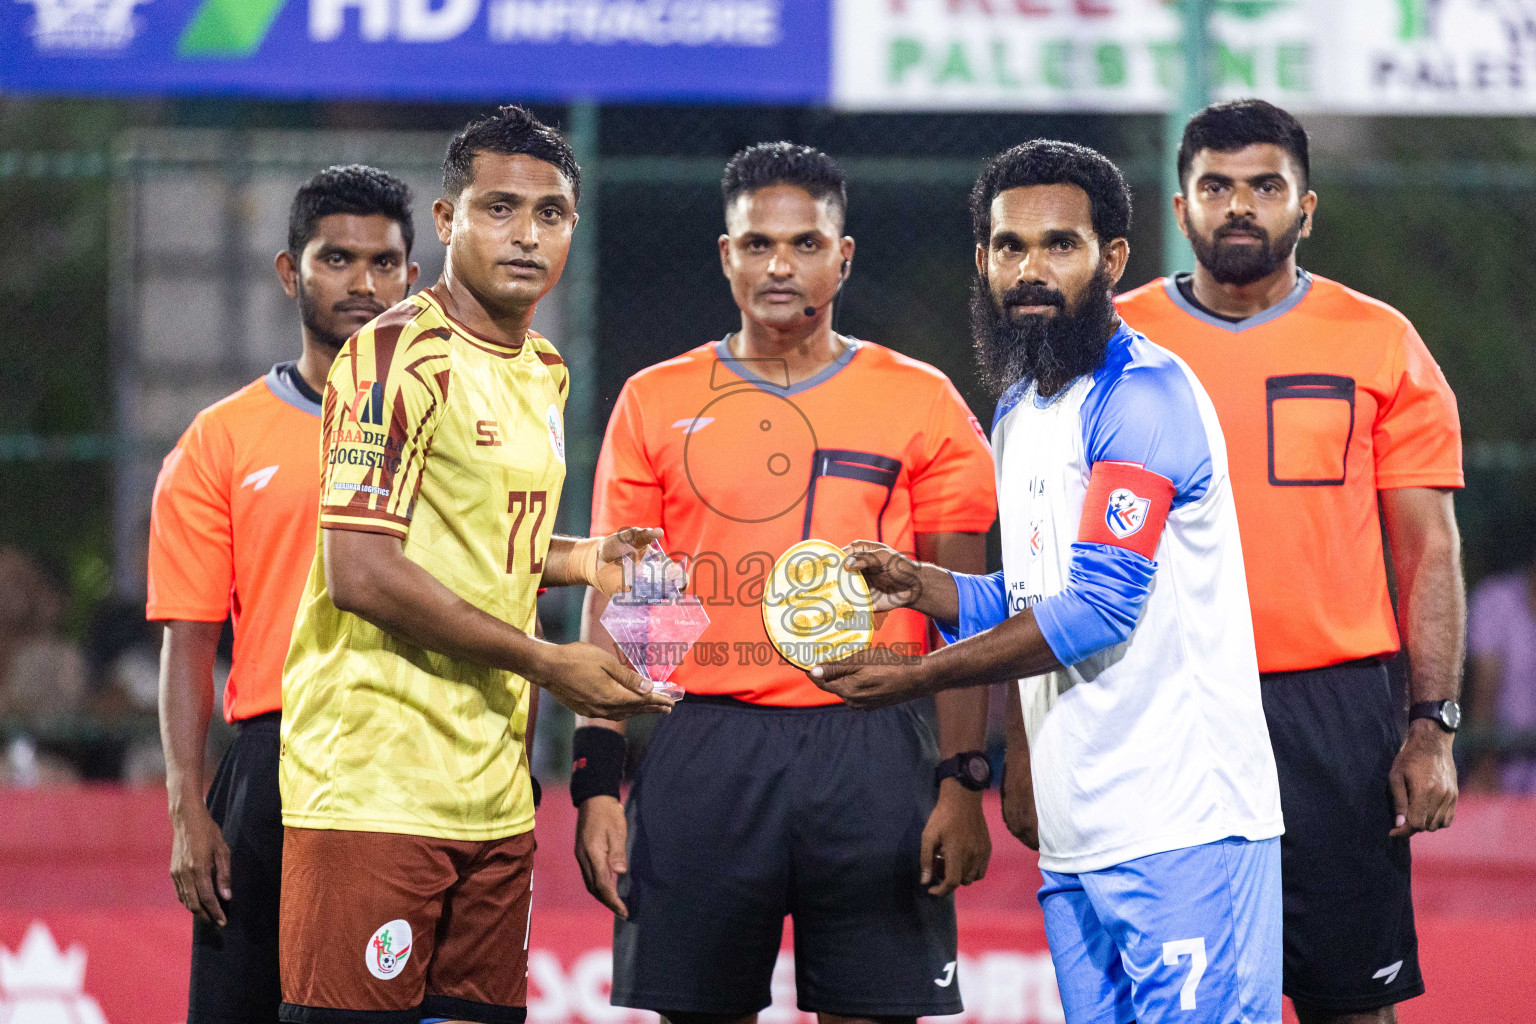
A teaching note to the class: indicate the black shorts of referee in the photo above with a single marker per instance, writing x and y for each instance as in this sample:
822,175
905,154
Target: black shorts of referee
234,968
742,814
1350,944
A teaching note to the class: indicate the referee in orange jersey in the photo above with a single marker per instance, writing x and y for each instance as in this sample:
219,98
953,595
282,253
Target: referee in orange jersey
233,534
1338,422
762,796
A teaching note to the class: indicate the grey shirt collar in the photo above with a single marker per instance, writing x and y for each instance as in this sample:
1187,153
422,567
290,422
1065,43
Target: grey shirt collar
1275,312
279,384
743,369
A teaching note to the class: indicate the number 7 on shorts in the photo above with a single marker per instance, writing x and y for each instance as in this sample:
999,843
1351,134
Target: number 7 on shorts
1195,950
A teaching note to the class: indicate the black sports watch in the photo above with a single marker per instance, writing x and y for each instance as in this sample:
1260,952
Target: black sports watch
971,769
1444,713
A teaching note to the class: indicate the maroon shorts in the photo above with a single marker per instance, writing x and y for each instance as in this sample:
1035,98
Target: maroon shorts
378,928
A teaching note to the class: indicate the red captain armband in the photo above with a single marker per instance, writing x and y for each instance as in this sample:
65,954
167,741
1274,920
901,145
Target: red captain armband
1126,507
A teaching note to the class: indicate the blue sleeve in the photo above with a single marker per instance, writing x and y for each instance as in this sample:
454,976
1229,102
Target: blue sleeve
1147,414
1106,588
1142,410
983,604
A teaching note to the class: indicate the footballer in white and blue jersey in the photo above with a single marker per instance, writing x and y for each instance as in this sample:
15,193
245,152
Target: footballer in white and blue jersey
1121,609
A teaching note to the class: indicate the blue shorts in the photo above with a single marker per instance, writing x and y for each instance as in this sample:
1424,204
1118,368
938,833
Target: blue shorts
1188,936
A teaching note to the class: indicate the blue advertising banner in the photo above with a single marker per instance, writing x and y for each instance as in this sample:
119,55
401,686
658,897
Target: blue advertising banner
763,51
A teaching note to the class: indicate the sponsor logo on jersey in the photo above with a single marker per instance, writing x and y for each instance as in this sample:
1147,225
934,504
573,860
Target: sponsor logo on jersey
486,435
948,977
1127,513
693,424
388,950
976,426
556,432
1388,974
342,485
259,479
1036,539
368,406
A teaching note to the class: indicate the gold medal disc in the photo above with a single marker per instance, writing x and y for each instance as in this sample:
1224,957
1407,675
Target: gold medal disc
813,608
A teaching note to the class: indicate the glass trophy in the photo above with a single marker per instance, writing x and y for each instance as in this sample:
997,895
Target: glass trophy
655,622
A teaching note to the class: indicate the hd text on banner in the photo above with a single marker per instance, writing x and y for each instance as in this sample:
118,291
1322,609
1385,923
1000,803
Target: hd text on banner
764,50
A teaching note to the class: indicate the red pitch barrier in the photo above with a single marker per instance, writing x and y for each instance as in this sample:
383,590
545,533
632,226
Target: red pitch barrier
90,929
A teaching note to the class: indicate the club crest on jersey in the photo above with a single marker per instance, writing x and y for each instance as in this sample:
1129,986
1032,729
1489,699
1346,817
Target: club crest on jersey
388,950
556,432
1126,513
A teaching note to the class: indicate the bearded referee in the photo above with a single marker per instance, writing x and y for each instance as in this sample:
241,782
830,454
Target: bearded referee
232,533
1338,422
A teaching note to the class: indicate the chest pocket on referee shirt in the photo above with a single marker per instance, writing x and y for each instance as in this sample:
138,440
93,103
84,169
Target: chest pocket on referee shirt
1311,420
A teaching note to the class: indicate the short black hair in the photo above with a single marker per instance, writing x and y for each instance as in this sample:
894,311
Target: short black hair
1229,126
784,163
509,131
1050,162
353,188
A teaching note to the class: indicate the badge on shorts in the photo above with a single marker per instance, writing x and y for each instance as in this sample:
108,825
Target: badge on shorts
388,950
1126,513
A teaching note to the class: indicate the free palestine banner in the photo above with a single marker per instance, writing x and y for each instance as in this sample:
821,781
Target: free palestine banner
1366,56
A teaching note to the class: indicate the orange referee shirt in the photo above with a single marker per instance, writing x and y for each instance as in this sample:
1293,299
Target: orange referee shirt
737,467
1325,398
232,531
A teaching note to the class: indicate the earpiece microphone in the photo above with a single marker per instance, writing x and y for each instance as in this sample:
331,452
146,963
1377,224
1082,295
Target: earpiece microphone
842,278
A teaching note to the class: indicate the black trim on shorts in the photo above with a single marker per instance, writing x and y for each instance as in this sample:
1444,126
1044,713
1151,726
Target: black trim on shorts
432,1006
293,1013
467,1009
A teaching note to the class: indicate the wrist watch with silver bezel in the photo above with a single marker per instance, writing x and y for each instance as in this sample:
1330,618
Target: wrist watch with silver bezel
1444,713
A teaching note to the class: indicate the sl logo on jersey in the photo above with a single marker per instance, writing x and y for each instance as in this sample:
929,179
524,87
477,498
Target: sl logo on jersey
388,949
486,435
1126,513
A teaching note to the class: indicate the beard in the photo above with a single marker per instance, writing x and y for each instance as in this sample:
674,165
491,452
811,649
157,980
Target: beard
1051,351
309,313
1243,264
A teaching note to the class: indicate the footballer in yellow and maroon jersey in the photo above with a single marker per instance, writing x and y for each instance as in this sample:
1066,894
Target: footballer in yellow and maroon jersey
378,735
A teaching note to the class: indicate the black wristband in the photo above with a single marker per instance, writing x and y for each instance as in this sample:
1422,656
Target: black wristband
597,765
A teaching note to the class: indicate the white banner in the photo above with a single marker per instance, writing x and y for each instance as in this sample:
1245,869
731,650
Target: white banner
1431,56
1380,56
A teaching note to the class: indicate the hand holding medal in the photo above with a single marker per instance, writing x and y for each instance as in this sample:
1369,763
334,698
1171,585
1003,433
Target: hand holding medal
814,609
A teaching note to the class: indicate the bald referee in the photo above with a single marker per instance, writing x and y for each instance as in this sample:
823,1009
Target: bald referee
1333,409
